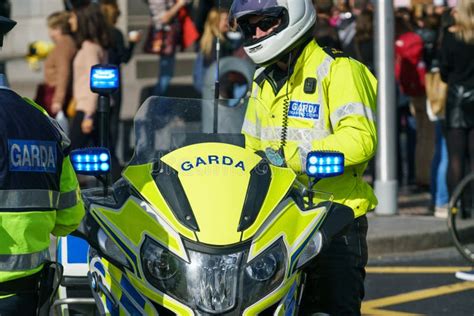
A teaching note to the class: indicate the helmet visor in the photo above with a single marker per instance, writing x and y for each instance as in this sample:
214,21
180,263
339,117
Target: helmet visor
272,11
241,8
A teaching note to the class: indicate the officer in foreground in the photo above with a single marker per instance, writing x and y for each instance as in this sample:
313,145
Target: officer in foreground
306,98
39,196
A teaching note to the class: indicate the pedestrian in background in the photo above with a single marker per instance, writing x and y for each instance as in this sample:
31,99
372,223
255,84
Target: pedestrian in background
92,36
216,26
118,53
164,38
410,74
55,92
362,46
324,32
457,69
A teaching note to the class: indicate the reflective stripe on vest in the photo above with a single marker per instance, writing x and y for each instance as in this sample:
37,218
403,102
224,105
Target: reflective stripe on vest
23,262
273,133
37,199
352,109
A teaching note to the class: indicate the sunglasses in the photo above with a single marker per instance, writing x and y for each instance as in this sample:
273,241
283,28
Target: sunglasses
264,24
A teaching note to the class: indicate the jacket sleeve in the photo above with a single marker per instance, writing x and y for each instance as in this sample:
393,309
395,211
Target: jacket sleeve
351,97
251,127
71,207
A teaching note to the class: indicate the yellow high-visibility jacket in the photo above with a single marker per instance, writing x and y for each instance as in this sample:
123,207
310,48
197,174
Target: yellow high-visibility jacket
39,191
329,103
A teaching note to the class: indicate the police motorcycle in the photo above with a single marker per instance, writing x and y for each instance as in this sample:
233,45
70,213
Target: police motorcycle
200,225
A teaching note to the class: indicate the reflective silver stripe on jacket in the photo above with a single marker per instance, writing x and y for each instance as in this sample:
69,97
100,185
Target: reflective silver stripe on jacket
37,199
17,199
23,262
352,109
273,133
67,199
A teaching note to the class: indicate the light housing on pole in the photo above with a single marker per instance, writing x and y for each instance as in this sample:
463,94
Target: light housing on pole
104,79
91,161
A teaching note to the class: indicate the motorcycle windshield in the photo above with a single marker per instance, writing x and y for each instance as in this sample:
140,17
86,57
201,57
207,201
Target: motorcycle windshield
164,124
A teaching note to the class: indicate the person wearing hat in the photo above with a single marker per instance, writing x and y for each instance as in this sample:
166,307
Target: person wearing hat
39,196
306,98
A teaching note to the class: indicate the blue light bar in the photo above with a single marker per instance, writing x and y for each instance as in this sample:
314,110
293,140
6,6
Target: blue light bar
91,161
104,79
324,164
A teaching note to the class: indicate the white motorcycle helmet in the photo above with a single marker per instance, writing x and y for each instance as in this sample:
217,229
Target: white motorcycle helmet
297,19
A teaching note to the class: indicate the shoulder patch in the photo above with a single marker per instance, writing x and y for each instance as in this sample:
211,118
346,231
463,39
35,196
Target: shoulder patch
334,53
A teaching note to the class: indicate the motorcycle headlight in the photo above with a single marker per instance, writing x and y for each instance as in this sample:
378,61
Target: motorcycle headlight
213,281
110,249
208,283
263,268
311,250
163,269
264,273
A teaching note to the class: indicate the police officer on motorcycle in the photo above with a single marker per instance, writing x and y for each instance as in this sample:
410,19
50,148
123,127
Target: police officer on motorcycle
39,196
313,98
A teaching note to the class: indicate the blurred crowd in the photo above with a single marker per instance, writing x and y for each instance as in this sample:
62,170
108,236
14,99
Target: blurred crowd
434,70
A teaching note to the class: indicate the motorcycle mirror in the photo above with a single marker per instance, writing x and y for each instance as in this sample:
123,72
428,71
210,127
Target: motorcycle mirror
91,161
324,164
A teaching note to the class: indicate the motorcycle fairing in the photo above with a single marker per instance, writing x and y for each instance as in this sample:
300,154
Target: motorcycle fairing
215,177
294,225
129,225
117,292
140,177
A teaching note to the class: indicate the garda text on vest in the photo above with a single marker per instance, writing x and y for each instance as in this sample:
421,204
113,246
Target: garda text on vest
32,156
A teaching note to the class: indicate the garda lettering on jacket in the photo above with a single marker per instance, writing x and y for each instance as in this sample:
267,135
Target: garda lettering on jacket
210,160
304,110
32,156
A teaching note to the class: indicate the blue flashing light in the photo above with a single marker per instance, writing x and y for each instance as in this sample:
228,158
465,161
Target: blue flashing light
103,157
91,161
324,164
104,166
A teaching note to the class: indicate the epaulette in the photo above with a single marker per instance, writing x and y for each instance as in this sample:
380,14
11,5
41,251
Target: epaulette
334,53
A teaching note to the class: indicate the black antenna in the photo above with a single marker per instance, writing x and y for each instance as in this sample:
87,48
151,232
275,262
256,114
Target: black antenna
217,84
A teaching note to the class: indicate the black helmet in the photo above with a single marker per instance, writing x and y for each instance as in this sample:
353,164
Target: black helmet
5,26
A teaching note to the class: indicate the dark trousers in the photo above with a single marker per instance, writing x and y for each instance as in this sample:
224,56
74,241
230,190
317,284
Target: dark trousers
335,280
19,304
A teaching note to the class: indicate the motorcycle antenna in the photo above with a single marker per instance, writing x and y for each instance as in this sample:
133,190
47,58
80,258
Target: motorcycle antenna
216,83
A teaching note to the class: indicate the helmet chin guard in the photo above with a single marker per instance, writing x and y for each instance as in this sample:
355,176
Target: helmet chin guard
298,18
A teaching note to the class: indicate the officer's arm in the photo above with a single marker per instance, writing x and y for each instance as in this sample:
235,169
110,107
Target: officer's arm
351,99
71,206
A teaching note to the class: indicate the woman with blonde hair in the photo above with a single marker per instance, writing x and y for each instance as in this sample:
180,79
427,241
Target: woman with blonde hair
457,69
55,92
216,26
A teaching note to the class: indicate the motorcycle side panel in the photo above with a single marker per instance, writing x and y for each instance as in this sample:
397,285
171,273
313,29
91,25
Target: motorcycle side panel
140,176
